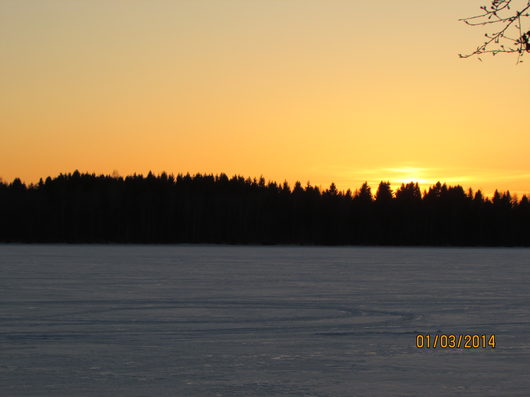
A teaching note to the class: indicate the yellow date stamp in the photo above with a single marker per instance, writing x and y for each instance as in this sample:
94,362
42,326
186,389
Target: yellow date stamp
455,341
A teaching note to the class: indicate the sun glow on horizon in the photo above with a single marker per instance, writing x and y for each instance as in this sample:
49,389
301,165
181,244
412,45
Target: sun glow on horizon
408,174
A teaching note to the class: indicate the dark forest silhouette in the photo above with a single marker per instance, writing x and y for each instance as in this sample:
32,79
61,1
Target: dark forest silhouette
85,208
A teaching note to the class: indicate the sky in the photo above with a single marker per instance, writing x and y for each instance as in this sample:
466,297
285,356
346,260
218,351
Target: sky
327,91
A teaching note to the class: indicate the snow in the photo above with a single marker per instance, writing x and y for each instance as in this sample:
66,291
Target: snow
96,320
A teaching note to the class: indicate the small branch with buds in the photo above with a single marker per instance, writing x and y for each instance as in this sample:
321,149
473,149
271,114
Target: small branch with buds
509,37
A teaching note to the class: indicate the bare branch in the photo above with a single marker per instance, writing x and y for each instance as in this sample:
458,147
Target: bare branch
510,19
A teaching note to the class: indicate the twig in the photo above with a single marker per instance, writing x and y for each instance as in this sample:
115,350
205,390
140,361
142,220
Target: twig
501,12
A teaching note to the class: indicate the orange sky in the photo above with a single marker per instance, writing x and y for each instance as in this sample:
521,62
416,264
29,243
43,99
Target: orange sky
318,91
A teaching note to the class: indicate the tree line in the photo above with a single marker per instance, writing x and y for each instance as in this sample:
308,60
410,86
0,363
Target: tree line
204,208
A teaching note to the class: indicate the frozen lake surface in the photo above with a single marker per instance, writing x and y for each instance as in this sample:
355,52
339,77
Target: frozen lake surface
260,321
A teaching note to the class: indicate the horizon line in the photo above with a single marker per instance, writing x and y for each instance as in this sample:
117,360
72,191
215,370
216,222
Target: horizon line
370,182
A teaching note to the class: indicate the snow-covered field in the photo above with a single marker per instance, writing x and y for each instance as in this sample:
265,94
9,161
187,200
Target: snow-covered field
260,321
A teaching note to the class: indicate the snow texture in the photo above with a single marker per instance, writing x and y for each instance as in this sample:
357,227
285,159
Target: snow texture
94,320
